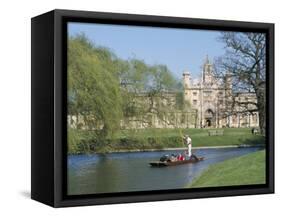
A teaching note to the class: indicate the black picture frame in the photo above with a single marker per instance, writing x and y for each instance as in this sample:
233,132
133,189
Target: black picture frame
48,147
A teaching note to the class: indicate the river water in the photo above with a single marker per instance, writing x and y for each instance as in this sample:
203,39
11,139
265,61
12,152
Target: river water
122,172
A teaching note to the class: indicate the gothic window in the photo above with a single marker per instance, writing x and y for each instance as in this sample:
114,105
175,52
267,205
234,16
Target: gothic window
182,118
194,93
194,102
207,93
209,112
255,118
234,118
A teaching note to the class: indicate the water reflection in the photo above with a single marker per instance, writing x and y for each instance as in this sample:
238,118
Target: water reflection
121,172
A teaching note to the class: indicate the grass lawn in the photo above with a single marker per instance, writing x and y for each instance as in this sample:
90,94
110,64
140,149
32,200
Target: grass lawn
248,169
200,137
159,139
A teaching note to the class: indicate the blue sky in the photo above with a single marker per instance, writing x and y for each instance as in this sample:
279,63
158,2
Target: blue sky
179,49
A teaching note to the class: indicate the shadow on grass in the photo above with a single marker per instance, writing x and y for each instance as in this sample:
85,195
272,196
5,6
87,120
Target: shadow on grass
253,141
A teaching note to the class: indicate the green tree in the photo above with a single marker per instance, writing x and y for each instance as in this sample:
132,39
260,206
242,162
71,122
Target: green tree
148,92
106,93
94,97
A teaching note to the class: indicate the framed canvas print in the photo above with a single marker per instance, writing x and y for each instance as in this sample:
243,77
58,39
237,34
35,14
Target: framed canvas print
134,108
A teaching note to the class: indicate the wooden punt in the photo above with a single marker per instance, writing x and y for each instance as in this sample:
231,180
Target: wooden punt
174,163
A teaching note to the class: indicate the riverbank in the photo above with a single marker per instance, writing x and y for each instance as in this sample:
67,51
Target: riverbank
184,148
245,170
160,139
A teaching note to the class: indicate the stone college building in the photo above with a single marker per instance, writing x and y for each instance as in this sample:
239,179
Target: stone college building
215,102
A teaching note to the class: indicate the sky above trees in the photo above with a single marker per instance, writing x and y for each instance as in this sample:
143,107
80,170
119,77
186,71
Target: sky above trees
178,49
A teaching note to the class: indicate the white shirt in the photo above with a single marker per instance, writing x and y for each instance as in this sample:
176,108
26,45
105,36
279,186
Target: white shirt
188,140
189,146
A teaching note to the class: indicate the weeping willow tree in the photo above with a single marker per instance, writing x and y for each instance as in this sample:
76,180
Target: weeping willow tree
106,93
94,98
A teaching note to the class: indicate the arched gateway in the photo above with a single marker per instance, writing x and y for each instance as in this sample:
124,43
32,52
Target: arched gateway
209,118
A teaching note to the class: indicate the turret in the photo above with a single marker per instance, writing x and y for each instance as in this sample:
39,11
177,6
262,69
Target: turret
207,71
186,84
228,90
186,79
228,81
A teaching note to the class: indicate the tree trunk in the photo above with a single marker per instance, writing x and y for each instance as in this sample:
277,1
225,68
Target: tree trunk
262,111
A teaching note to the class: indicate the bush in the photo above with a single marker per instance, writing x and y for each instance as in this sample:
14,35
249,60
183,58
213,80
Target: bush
88,142
92,142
